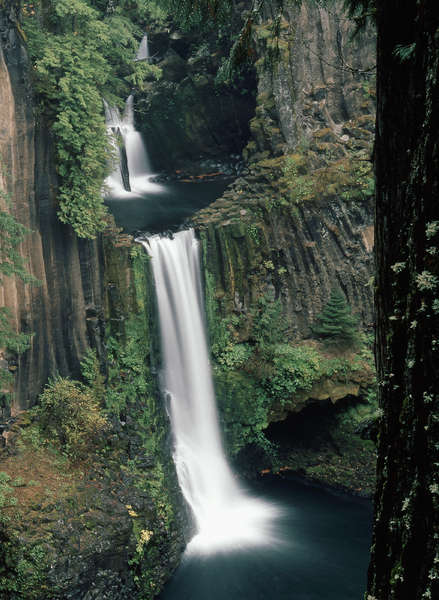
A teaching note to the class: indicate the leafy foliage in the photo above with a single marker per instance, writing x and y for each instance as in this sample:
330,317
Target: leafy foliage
295,368
336,324
70,416
361,11
404,52
12,264
252,378
191,14
268,323
6,491
83,51
21,567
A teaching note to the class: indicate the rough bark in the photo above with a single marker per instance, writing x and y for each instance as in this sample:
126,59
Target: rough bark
405,559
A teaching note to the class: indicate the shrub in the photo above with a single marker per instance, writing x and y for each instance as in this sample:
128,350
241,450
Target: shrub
69,415
296,368
269,324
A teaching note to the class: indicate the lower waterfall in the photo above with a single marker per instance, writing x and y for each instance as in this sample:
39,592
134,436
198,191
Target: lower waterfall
225,515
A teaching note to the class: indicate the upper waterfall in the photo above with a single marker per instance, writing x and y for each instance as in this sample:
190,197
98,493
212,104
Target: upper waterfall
143,51
139,165
225,515
129,148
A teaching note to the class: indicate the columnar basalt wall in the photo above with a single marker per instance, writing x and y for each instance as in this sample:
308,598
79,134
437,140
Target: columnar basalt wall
316,74
297,225
63,312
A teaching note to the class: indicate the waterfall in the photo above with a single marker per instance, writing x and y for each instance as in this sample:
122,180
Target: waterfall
138,160
225,516
118,180
143,51
131,170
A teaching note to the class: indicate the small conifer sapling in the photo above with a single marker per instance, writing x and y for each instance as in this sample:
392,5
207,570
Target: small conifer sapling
336,324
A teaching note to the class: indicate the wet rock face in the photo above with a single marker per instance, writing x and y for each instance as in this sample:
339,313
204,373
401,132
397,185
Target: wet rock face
68,269
295,255
316,76
300,222
297,224
188,116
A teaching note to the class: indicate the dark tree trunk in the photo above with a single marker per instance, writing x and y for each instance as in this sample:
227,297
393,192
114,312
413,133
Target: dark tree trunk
405,555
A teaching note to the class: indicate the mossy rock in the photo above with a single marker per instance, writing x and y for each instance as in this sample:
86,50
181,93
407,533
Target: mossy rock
325,135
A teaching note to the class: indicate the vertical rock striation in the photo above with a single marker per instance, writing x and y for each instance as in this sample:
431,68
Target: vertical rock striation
315,75
63,313
301,221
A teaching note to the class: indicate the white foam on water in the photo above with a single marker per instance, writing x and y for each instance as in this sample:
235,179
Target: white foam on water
226,516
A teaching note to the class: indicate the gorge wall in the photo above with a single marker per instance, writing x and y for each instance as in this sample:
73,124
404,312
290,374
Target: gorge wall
297,224
63,311
108,523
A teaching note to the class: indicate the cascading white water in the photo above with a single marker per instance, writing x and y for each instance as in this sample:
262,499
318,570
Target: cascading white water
225,515
138,163
138,160
143,51
114,181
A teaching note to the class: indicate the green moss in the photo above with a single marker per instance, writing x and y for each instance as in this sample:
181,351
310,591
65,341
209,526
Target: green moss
23,569
131,463
243,405
261,373
81,53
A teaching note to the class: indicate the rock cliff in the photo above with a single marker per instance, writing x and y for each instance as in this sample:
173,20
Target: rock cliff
298,224
63,312
315,74
108,526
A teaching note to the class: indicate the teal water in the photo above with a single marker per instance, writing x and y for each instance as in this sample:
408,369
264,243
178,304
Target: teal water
321,553
166,208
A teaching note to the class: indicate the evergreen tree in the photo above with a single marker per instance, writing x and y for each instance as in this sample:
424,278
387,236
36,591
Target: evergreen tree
336,323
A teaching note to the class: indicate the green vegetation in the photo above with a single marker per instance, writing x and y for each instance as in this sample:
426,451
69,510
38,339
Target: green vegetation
69,416
268,373
82,51
204,13
336,324
296,368
12,264
21,567
298,181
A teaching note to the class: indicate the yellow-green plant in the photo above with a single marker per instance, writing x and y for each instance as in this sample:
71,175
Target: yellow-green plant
69,416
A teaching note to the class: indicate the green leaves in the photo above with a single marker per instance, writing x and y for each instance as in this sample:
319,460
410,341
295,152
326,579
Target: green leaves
82,52
12,264
191,14
143,72
69,416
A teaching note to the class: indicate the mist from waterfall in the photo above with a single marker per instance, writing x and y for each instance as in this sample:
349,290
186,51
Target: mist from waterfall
226,517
